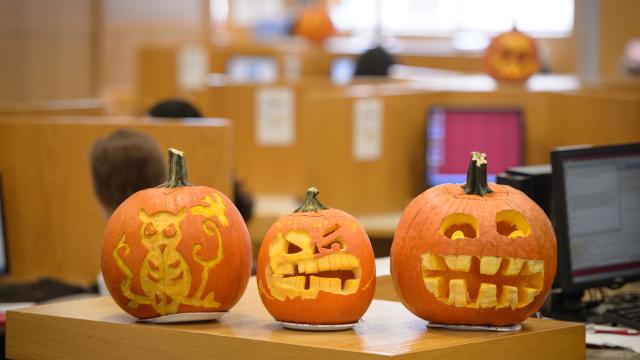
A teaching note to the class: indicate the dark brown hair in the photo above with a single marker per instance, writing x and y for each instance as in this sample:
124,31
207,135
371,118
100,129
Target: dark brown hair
124,162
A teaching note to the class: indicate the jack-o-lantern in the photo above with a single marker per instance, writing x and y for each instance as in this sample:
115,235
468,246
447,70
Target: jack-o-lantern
176,249
511,56
316,266
479,254
314,24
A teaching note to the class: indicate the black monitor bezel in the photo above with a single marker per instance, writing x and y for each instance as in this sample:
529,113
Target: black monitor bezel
559,210
475,108
3,232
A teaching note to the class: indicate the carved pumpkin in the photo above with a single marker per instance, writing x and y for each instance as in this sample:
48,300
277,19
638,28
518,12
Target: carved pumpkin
511,56
479,254
316,266
176,249
314,24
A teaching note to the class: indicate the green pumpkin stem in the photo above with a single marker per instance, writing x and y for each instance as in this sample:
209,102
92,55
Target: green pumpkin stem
311,202
177,170
477,175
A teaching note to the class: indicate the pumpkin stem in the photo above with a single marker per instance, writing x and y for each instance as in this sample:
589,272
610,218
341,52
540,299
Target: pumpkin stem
477,175
177,170
311,202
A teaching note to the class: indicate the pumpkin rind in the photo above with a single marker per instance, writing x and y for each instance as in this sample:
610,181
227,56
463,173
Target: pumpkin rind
511,56
179,249
419,232
320,230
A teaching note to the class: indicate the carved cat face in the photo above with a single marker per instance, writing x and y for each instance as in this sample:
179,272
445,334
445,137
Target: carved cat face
161,229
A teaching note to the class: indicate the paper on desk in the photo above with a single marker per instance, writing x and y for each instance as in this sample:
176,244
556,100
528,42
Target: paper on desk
631,342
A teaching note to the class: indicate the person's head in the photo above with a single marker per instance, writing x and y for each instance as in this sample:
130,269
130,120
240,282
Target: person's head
374,62
123,163
174,108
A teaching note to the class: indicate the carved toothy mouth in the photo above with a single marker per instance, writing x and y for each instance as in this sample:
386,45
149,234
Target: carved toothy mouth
470,281
336,273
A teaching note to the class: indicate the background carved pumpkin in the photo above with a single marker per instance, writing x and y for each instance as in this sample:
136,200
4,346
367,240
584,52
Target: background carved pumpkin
512,56
176,249
316,266
474,254
315,24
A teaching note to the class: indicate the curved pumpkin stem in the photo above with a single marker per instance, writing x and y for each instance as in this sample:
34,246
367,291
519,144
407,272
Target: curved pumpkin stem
477,175
311,202
177,170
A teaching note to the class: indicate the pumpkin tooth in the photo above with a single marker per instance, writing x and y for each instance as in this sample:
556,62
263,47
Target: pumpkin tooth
489,265
314,283
300,282
435,285
526,296
509,297
335,261
351,286
513,266
458,262
458,292
311,266
302,267
287,268
533,267
354,262
487,296
323,264
433,262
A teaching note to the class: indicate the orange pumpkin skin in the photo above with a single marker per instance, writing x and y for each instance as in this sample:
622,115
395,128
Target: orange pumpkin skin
180,230
324,228
419,232
314,24
511,56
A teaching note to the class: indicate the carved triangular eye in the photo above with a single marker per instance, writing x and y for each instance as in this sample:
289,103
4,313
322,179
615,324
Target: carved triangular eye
149,229
512,224
293,248
459,226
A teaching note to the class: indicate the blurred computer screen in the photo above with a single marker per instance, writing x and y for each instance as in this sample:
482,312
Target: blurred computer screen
452,134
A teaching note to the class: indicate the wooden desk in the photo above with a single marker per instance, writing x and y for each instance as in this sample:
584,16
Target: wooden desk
84,107
97,329
53,220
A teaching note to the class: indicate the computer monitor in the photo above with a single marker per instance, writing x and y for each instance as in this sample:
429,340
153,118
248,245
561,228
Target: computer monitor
342,69
596,210
452,134
262,69
4,259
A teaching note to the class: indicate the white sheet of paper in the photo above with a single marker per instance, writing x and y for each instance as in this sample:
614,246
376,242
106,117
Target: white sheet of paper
275,120
368,115
193,67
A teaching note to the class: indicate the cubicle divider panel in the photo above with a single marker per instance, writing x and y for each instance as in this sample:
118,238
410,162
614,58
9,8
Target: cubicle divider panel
54,222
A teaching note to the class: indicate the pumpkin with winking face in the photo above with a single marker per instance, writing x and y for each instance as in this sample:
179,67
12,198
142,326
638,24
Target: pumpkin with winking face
476,254
316,266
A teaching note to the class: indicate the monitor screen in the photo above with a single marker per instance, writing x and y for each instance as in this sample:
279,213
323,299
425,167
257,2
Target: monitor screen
4,263
252,69
597,213
452,134
342,70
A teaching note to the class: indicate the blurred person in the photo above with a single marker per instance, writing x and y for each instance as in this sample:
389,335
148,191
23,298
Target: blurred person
374,62
123,163
174,108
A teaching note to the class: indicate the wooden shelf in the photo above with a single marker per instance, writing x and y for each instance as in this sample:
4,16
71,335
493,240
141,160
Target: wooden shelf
96,328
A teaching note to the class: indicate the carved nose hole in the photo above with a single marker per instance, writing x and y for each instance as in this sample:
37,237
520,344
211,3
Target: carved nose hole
459,226
512,224
169,231
162,247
